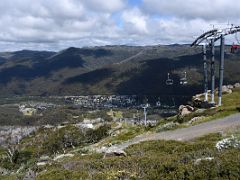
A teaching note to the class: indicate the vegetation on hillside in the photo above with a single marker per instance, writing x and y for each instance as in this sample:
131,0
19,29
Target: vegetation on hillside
107,70
231,105
199,159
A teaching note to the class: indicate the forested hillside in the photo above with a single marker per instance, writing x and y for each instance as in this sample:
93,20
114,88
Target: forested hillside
108,70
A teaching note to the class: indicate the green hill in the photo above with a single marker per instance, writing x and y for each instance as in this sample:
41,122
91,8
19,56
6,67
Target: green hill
107,70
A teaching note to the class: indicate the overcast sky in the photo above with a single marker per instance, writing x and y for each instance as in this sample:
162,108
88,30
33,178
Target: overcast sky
58,24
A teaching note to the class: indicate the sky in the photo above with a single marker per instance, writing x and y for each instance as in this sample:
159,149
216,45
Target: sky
59,24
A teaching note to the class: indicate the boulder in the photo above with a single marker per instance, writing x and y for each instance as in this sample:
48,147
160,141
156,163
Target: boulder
61,156
198,161
237,85
41,164
167,126
184,110
30,175
3,171
226,90
87,126
190,108
44,158
230,86
200,110
195,119
115,152
198,96
197,102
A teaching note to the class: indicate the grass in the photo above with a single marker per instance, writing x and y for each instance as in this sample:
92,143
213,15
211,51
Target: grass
154,159
10,177
231,105
126,132
147,160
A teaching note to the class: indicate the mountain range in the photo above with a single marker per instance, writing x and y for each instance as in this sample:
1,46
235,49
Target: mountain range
109,70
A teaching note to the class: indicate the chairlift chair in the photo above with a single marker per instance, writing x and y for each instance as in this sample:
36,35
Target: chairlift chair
235,47
158,103
169,81
183,81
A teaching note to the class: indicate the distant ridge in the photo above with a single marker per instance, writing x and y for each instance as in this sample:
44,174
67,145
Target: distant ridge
109,69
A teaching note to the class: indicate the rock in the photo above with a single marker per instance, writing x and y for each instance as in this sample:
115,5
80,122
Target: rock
226,90
190,108
200,111
196,119
197,102
41,164
197,161
61,156
167,126
237,85
198,96
93,121
27,111
115,152
44,158
30,175
184,110
115,133
102,150
85,125
3,171
48,126
230,86
60,126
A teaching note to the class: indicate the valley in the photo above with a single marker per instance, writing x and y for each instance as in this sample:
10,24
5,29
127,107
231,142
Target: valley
63,113
88,139
108,70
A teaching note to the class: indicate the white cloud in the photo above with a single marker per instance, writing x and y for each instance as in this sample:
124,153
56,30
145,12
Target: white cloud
222,10
135,22
57,24
55,20
106,6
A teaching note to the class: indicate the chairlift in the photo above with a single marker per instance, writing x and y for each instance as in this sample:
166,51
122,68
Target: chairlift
169,81
158,103
235,47
183,80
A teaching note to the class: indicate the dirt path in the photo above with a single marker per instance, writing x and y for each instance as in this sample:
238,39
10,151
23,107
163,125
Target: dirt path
185,134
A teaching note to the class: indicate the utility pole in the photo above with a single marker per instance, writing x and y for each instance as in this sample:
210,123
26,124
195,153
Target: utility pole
221,70
212,70
205,72
145,114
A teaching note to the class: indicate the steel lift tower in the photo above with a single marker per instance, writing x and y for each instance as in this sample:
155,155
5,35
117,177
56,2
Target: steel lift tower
204,41
214,35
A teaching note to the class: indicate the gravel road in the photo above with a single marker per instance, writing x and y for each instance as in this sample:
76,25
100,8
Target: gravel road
188,133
